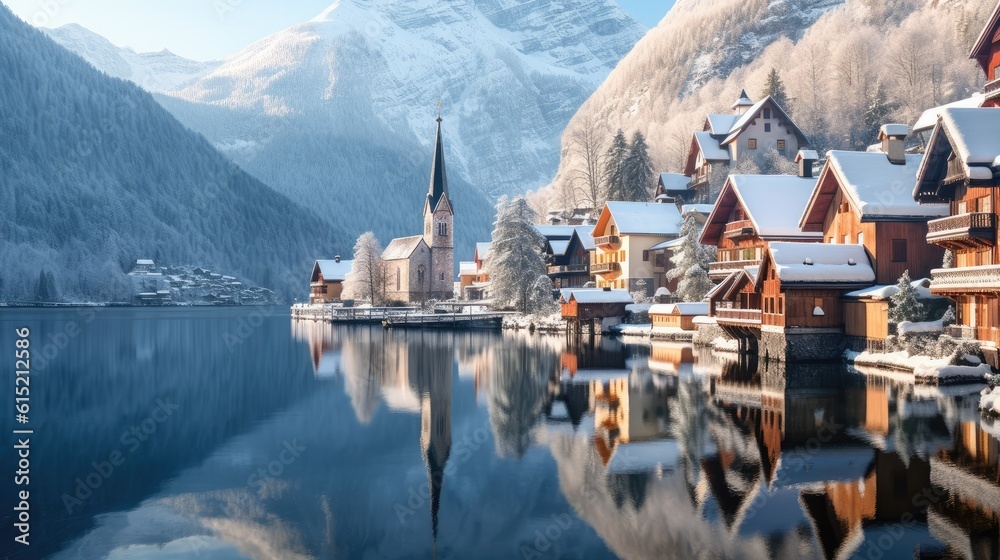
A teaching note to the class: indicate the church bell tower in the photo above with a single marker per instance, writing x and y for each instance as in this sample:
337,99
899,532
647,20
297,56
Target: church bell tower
439,219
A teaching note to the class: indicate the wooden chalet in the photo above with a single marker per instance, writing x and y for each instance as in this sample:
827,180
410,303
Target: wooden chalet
597,308
987,53
864,198
625,237
326,283
672,187
749,132
752,211
569,261
677,316
962,168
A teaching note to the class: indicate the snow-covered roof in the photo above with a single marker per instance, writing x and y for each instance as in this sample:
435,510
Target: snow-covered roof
147,262
821,263
599,296
893,130
585,234
646,456
467,268
973,133
705,209
559,247
922,286
332,270
928,120
483,249
747,118
720,125
774,203
696,308
649,218
877,187
555,232
743,100
402,247
674,181
672,244
710,148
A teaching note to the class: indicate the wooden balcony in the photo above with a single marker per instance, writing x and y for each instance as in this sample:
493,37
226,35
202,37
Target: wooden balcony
977,230
700,178
606,268
739,230
569,269
609,241
738,316
992,89
720,270
966,280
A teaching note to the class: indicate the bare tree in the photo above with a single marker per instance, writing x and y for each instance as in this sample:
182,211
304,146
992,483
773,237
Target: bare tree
588,178
367,279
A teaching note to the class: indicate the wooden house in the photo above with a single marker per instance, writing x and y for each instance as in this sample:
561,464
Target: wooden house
624,236
480,286
672,187
866,313
752,211
749,132
677,316
467,272
987,53
326,283
962,168
569,261
865,198
600,309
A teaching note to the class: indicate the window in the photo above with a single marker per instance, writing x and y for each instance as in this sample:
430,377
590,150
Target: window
829,240
847,239
963,207
861,238
752,143
645,256
781,305
781,146
898,250
442,276
767,127
420,275
986,204
767,112
442,228
398,279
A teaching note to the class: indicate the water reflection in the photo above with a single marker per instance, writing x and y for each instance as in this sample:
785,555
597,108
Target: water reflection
320,442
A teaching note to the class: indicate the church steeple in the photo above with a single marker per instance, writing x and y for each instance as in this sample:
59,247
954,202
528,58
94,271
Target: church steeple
439,178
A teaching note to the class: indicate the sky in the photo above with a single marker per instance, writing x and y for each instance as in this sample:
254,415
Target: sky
207,29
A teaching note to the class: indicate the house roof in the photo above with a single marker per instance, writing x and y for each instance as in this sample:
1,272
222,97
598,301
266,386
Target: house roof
980,51
331,270
555,232
598,295
743,101
483,249
710,148
686,309
559,247
720,125
820,263
673,243
641,218
402,247
585,237
752,113
875,187
773,204
929,118
968,134
467,268
884,292
673,182
148,262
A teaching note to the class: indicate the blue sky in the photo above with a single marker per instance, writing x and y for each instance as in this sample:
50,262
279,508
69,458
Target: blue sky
207,29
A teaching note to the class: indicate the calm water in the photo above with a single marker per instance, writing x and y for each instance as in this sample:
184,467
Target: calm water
225,434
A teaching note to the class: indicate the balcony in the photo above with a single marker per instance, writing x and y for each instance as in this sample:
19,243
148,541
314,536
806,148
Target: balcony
977,230
966,280
720,270
608,241
992,89
606,268
569,269
738,316
700,177
739,230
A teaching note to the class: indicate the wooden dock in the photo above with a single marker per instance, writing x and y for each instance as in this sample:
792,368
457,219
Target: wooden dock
397,317
457,321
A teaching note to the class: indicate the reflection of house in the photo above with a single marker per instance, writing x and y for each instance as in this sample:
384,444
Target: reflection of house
569,261
748,133
624,235
752,211
326,283
959,168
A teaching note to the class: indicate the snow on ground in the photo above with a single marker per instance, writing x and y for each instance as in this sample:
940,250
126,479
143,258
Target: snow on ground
633,330
989,401
951,374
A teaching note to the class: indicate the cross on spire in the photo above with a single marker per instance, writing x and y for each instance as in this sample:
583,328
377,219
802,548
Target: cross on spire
439,111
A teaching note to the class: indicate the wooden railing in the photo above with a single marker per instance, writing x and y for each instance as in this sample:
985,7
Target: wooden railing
976,230
608,241
972,220
605,268
730,266
966,277
752,316
700,177
741,228
568,269
992,89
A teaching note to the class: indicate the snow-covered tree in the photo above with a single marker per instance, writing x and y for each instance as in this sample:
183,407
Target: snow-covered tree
878,108
949,260
614,167
542,300
776,89
949,316
638,171
588,179
367,279
690,263
905,305
516,257
774,163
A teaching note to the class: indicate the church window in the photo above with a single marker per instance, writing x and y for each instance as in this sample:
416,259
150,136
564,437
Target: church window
420,275
399,278
442,228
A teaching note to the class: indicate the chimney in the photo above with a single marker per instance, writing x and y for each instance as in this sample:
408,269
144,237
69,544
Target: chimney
893,137
337,258
806,159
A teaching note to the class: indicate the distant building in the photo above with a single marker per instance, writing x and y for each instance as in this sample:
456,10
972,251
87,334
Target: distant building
624,237
143,266
326,283
466,277
480,288
422,267
987,53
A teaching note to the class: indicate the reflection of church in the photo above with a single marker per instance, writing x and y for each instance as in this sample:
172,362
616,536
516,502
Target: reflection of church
434,383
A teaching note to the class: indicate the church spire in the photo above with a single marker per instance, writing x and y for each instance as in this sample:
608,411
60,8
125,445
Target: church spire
439,178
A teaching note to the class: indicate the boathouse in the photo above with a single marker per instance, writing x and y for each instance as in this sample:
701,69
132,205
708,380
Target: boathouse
600,309
677,316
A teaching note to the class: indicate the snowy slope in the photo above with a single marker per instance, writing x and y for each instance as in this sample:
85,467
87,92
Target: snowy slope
153,71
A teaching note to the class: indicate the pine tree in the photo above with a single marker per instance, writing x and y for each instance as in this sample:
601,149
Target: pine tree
690,263
776,89
367,279
949,260
638,171
877,111
905,305
516,258
542,300
614,167
42,288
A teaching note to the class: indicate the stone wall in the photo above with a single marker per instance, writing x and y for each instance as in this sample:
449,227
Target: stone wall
801,345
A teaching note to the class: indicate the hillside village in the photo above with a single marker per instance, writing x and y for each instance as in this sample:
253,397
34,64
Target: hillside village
762,245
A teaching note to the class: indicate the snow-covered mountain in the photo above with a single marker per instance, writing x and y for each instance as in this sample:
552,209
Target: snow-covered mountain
835,58
153,71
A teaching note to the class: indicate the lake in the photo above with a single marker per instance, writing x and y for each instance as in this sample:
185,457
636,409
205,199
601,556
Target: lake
238,433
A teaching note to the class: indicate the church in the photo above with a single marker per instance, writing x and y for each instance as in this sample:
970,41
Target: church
421,267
